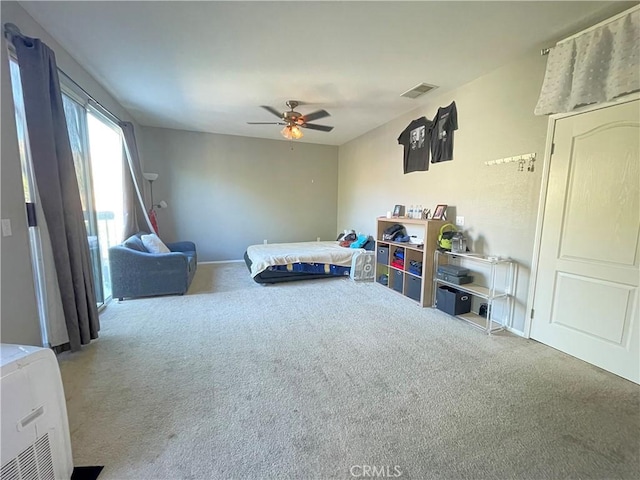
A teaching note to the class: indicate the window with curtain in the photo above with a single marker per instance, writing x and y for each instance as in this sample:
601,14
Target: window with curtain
74,187
96,144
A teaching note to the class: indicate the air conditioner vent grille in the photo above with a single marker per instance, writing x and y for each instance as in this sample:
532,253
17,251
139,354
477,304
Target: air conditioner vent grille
27,464
45,462
33,463
418,90
10,471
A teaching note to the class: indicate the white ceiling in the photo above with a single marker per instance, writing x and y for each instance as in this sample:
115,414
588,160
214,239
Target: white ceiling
208,66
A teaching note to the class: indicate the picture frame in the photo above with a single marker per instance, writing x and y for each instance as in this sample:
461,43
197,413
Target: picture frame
398,211
439,213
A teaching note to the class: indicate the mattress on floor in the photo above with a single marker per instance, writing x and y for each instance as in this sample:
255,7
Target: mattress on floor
272,263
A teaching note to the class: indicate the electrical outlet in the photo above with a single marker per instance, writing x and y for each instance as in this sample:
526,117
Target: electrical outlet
264,241
318,239
460,221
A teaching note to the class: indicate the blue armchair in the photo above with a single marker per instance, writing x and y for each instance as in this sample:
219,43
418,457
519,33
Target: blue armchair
137,273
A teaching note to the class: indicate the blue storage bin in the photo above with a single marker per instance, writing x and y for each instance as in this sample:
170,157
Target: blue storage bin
413,288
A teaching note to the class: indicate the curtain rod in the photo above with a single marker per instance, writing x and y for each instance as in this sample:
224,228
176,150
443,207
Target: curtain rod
91,99
11,30
545,51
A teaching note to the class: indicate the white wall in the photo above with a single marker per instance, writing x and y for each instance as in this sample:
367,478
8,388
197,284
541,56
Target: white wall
19,320
228,192
495,118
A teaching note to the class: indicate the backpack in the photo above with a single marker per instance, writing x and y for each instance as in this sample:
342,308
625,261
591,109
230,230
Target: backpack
394,231
444,239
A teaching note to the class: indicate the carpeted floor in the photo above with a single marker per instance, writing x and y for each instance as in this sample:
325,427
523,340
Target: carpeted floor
334,379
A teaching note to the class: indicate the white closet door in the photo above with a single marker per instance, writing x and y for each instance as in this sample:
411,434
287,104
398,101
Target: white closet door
586,295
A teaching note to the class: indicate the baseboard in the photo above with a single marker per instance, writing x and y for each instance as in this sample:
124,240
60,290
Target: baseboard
220,261
519,333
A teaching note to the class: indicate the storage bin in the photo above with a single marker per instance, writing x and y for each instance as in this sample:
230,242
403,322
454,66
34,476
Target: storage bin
454,279
413,289
398,277
452,301
453,270
382,255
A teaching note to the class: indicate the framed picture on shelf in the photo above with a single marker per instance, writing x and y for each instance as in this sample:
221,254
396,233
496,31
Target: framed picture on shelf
398,211
439,213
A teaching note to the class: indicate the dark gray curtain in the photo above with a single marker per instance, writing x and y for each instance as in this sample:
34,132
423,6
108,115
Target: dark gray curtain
135,213
58,187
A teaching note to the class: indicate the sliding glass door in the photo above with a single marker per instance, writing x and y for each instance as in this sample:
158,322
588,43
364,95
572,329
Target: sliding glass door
97,148
77,126
105,152
96,143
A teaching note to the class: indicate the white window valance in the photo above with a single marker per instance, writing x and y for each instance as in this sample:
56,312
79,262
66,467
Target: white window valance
596,66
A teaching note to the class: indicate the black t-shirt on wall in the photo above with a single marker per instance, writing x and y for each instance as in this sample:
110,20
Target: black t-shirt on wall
415,139
445,122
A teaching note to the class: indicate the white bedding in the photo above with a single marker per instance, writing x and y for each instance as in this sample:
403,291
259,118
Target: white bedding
264,256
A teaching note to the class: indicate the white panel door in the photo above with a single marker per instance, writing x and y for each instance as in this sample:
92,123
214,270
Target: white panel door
586,294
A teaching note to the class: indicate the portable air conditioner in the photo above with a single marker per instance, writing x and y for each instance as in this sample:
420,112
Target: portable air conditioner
362,266
35,431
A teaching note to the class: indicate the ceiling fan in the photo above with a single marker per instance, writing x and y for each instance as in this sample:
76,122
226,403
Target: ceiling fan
293,120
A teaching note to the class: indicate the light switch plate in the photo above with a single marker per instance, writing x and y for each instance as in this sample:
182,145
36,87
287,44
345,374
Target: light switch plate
6,227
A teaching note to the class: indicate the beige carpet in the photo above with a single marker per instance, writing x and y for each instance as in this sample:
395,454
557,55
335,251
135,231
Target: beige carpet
329,379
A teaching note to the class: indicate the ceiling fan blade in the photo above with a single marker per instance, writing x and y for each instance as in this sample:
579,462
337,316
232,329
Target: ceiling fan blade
266,123
272,110
313,126
315,116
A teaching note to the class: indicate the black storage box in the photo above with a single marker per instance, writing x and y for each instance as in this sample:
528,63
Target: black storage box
453,270
452,301
453,279
413,289
398,276
382,254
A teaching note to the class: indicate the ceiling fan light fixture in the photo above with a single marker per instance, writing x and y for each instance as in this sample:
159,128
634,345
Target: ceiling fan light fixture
291,132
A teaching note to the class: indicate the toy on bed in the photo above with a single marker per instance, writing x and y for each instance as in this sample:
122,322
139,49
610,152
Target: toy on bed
285,262
354,240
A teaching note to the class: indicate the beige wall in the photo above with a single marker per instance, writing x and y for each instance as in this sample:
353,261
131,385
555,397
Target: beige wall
495,118
19,320
228,192
19,313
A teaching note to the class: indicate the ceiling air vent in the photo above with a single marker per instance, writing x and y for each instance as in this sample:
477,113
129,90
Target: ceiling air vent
418,90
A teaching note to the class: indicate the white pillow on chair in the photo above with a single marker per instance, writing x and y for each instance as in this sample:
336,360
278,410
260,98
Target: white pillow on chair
153,244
